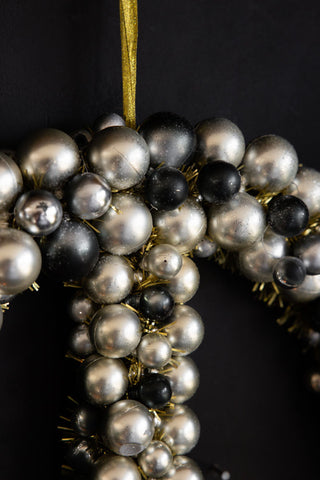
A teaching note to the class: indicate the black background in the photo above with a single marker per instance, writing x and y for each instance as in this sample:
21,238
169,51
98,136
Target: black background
255,62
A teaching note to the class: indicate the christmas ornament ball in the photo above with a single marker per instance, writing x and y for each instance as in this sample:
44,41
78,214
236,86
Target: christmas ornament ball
185,330
163,260
10,181
166,188
154,390
184,379
156,459
218,181
287,215
154,350
180,430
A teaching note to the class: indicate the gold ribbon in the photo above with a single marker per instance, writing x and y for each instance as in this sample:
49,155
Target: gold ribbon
129,42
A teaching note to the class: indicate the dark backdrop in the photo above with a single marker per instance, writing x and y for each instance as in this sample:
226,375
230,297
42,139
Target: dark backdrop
255,62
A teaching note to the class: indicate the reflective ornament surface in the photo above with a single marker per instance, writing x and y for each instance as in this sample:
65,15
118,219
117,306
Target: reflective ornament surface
183,227
185,330
116,331
185,468
81,307
105,380
111,280
20,261
156,459
185,284
306,292
181,430
205,248
238,223
85,420
289,272
184,379
38,212
126,227
154,350
154,390
10,181
128,428
108,120
164,261
306,186
308,249
218,181
113,467
120,155
48,157
80,342
270,163
220,139
156,303
166,188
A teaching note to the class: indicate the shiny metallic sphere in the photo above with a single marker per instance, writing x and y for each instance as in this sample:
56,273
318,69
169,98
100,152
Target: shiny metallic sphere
306,292
257,261
88,196
10,181
308,249
205,248
220,139
238,223
120,155
156,459
164,261
111,280
113,467
81,307
184,379
183,227
80,342
185,331
105,380
116,331
126,227
185,284
306,186
185,468
108,120
180,430
38,212
48,157
128,428
270,163
154,350
20,261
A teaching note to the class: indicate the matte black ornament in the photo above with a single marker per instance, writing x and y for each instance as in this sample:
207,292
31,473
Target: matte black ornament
81,456
287,215
171,139
156,303
166,188
154,390
71,251
289,272
218,181
85,420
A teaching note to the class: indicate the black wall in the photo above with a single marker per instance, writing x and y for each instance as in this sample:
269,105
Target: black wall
255,62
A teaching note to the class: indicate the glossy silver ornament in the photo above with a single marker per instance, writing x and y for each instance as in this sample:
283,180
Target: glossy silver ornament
20,261
81,307
154,350
38,212
180,430
205,248
183,227
257,261
185,331
126,227
105,380
10,181
48,158
128,428
185,284
238,223
116,468
80,342
108,120
306,186
306,292
163,260
111,280
220,139
184,379
308,249
88,196
116,331
156,459
270,163
120,155
185,468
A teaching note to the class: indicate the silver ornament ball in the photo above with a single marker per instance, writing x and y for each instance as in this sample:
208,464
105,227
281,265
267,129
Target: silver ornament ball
306,186
113,467
180,430
156,459
220,139
164,261
111,280
238,223
108,120
38,212
10,181
184,379
308,249
126,227
80,342
182,227
205,248
306,292
120,155
116,331
154,350
185,468
270,163
185,284
81,307
185,331
128,428
20,261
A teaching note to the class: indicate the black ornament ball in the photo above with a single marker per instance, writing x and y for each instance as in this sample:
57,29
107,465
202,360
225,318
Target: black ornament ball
85,420
81,455
289,272
71,251
154,390
133,300
156,303
171,139
218,181
166,188
287,215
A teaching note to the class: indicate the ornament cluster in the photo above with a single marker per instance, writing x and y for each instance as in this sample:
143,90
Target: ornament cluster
120,214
